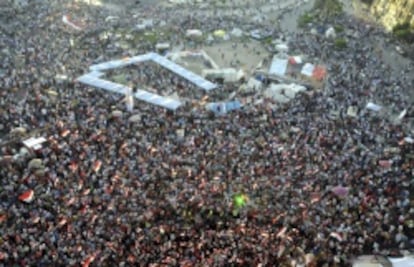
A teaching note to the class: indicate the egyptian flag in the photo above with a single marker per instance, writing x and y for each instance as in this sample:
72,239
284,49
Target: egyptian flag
97,165
27,196
88,261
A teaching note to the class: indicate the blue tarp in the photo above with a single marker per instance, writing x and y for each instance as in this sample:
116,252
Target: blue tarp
186,74
321,29
222,108
148,97
260,78
103,84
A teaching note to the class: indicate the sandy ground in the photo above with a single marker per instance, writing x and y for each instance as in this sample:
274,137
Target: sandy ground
248,55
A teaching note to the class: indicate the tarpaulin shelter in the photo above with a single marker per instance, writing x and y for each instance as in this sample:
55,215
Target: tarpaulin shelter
221,108
278,66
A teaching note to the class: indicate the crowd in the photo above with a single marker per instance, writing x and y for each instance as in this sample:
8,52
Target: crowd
151,77
110,191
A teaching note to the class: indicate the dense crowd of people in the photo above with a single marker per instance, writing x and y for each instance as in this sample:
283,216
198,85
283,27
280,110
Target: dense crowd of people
153,78
159,191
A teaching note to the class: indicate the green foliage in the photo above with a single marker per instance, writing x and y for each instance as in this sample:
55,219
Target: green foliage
340,43
150,37
267,40
305,19
338,28
328,8
404,32
368,2
401,26
120,78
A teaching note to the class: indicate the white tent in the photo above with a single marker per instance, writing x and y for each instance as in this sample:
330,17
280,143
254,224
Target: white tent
278,66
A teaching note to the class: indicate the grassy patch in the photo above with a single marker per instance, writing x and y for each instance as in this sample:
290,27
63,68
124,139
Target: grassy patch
267,40
120,78
305,19
340,43
328,8
338,28
150,37
368,2
401,26
404,32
